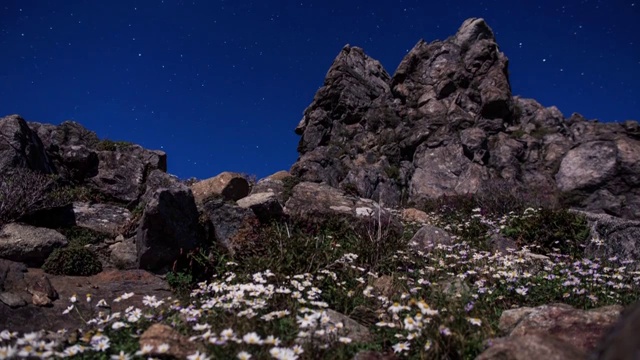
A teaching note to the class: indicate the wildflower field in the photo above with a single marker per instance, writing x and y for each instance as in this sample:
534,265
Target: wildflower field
329,292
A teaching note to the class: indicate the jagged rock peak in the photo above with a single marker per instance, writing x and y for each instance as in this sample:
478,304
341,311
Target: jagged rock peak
472,30
353,60
447,124
356,77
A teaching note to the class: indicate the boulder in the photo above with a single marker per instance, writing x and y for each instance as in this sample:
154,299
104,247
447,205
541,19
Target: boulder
29,244
179,345
621,341
169,223
123,254
274,183
265,205
228,185
358,333
536,346
587,165
580,329
116,170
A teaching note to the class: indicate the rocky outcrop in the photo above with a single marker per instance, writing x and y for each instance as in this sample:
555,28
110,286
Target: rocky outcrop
20,147
117,170
122,172
446,123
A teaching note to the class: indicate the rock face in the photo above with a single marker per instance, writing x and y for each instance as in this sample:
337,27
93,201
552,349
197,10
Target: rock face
446,123
20,147
116,170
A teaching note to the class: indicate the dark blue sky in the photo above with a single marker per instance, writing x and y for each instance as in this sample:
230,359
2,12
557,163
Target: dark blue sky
220,85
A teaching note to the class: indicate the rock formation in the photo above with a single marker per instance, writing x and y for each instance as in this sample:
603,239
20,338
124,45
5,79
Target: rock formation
446,123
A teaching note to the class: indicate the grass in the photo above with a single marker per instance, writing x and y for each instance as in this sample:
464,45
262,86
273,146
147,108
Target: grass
271,300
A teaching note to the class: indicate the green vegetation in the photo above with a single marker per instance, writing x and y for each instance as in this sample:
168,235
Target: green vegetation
549,231
110,145
75,259
72,260
80,236
271,300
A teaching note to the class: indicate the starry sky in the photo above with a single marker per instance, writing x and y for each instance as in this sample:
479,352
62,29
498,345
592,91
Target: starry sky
220,85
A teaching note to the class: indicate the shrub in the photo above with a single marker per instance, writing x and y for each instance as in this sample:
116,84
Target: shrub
69,194
180,282
23,191
72,260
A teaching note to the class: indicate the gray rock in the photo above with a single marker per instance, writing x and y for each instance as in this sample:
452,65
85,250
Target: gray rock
312,201
612,236
122,172
621,341
577,328
12,300
429,237
169,224
233,227
124,254
29,244
587,165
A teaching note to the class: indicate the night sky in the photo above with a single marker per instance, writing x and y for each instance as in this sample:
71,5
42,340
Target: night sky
220,85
